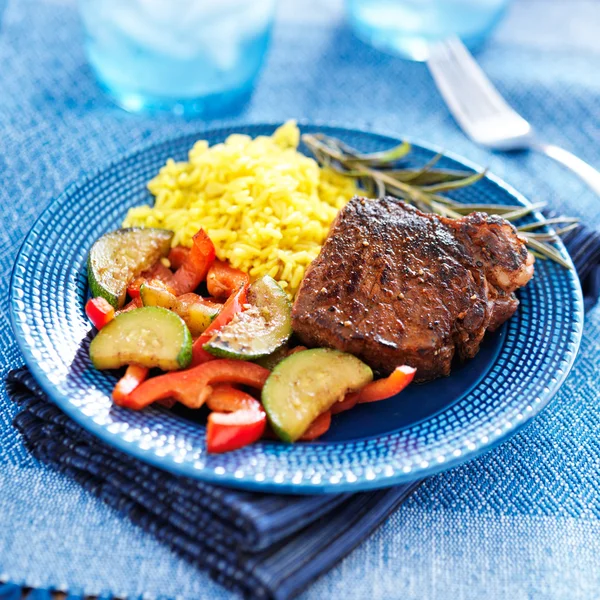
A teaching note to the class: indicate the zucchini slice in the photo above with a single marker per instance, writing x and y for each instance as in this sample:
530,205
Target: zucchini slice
259,330
149,336
119,256
308,383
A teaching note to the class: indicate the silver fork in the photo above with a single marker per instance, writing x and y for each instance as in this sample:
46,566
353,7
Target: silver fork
483,113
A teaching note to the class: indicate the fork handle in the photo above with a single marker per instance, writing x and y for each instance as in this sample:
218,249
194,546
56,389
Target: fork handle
586,172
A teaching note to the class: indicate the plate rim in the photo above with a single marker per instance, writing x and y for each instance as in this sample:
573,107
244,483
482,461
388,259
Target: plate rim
271,486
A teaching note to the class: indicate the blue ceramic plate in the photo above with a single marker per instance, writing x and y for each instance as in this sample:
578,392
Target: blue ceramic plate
428,428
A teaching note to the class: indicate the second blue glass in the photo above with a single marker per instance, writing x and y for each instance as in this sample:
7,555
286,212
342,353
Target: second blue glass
408,27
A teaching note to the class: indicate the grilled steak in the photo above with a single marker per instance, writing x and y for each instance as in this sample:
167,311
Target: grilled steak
393,285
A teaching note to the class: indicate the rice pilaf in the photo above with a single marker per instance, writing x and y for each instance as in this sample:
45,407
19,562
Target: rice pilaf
266,206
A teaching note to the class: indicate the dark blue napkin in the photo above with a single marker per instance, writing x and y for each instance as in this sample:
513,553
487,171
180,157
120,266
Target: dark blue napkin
583,245
260,545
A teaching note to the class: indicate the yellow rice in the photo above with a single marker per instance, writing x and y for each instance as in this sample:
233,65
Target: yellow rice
266,207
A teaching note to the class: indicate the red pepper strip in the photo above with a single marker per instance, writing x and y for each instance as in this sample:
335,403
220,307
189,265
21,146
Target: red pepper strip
297,349
318,427
226,398
134,375
234,305
194,269
350,401
167,402
177,256
231,431
377,390
192,387
223,280
245,423
99,311
157,272
388,387
135,303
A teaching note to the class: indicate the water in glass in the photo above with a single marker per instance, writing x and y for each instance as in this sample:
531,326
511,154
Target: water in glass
408,27
189,56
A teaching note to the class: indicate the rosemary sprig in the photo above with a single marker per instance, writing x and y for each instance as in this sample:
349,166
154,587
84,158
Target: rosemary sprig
549,237
379,174
427,177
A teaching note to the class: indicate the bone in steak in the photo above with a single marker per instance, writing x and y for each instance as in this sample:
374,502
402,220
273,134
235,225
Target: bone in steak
393,285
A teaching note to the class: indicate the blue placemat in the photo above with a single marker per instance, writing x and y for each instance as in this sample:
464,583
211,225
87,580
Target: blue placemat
260,545
521,522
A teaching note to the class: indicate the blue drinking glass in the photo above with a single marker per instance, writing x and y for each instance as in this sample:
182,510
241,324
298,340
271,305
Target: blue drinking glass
191,57
3,4
409,27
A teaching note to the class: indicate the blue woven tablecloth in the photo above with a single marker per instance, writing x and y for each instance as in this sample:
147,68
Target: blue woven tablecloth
521,522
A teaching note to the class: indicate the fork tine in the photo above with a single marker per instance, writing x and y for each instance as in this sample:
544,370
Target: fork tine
474,72
443,70
470,95
473,100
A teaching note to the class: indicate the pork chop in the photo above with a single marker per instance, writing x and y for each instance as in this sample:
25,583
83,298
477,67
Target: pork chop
393,285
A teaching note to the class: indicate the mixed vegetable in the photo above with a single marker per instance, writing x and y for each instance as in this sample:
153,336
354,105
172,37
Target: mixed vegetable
228,350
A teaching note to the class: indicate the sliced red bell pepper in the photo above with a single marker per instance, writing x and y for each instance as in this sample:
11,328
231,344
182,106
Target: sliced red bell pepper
157,272
238,419
192,387
99,311
194,269
132,305
296,349
388,387
377,390
318,427
223,280
177,256
234,305
134,375
231,431
350,401
226,398
167,402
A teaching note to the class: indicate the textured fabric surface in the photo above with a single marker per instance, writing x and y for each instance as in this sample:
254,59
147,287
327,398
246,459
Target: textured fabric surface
520,522
262,545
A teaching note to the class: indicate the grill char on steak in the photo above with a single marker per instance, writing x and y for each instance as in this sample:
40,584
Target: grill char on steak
393,285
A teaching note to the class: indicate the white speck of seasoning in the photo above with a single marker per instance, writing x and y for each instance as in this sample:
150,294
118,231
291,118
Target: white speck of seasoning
365,243
421,272
323,290
474,297
348,323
